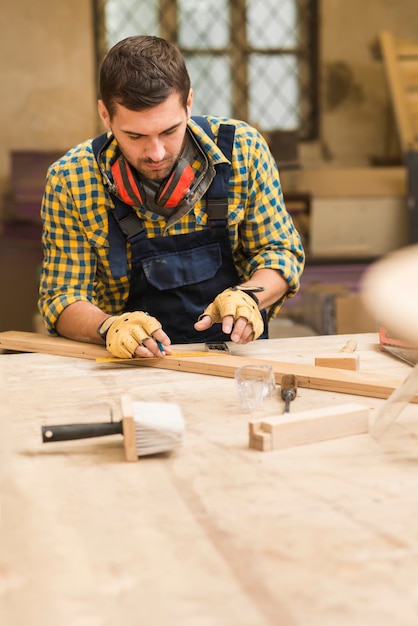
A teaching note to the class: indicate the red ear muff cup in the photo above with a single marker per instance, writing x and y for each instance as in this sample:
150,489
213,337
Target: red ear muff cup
170,193
173,190
128,188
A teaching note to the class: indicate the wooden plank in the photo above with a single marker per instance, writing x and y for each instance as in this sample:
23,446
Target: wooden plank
36,342
399,85
331,422
309,376
343,360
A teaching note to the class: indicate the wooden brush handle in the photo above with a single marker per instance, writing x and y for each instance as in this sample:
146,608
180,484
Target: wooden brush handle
68,432
289,386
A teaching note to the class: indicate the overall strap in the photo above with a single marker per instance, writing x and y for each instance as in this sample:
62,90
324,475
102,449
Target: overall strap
217,194
125,217
123,223
124,213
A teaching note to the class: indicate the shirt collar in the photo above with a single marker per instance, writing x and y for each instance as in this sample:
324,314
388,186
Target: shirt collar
213,153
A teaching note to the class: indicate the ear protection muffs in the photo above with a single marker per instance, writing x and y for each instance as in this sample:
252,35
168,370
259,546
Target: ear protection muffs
170,193
176,186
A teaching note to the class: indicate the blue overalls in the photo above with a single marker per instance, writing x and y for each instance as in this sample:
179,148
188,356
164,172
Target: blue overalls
175,278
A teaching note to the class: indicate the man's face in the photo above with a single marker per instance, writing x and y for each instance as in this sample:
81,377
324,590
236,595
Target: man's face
151,140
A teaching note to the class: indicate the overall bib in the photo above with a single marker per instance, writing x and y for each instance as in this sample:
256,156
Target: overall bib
175,278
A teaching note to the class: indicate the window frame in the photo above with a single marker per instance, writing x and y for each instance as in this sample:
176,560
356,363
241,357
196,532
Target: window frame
239,52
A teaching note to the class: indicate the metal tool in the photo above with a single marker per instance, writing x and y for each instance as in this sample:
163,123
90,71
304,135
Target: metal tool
217,346
398,348
288,390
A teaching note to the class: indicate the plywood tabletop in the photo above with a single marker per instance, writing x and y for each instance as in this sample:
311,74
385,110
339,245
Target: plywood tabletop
215,534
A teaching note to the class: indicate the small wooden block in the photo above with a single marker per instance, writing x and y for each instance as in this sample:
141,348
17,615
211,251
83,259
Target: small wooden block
259,440
342,361
350,346
295,429
128,425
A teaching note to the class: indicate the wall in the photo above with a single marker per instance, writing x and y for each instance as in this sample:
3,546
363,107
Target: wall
48,92
356,116
48,79
48,101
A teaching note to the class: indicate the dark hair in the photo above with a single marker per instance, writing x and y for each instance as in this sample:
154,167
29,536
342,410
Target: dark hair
141,72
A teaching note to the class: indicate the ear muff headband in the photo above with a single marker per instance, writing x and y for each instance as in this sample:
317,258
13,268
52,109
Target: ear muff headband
173,190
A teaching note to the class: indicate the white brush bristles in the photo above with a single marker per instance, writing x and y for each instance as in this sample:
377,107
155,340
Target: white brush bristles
159,427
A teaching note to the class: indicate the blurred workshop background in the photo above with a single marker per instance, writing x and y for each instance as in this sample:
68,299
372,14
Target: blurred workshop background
332,85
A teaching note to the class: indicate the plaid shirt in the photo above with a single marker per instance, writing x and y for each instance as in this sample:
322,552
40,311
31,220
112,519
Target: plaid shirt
75,223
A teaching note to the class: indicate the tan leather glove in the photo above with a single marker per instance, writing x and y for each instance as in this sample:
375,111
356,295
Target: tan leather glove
238,303
125,332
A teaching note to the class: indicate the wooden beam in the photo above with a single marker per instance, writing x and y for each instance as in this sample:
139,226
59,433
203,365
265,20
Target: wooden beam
309,376
331,422
37,342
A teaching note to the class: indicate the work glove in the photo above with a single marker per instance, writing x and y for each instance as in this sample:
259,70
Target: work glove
125,332
238,303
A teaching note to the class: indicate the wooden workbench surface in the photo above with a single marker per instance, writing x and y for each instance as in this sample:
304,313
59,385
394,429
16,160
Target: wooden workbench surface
215,534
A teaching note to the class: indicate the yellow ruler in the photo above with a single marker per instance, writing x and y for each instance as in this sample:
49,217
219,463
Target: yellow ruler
167,356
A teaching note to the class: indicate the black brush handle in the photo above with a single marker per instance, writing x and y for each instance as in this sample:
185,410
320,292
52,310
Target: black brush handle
68,432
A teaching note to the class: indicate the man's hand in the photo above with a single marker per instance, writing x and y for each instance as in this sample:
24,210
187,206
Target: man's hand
238,313
134,333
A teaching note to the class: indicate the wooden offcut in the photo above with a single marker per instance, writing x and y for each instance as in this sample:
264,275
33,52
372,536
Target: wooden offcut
309,376
340,361
331,422
345,359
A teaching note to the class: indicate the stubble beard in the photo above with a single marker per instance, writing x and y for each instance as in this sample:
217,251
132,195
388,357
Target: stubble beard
162,170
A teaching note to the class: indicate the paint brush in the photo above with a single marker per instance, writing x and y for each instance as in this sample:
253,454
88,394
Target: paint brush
146,427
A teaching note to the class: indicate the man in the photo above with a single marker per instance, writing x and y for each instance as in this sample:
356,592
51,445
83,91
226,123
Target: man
166,229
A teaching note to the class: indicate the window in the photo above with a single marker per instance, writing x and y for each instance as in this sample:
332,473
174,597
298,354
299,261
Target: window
254,60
